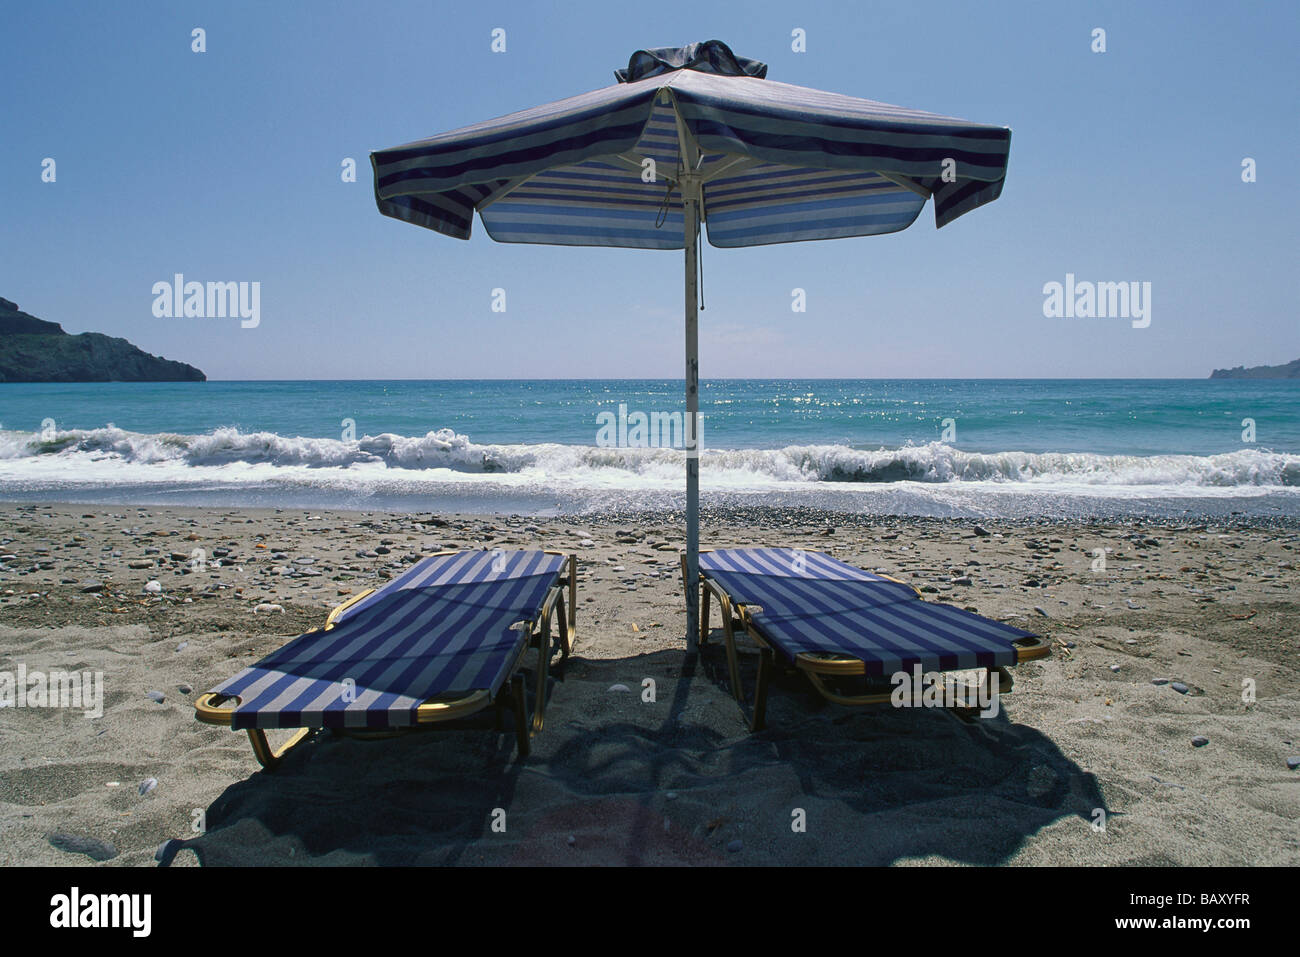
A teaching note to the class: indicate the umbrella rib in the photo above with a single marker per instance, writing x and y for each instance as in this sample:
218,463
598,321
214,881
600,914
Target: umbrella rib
505,190
906,183
739,164
630,160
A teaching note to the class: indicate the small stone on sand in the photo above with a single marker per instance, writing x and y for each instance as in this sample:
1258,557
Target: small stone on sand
92,847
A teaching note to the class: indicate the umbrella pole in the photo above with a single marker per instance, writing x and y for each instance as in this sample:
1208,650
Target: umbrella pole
691,430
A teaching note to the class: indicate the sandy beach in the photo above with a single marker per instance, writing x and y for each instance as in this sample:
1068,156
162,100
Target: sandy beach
1187,633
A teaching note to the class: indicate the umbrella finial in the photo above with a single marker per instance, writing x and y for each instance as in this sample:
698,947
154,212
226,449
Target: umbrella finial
711,56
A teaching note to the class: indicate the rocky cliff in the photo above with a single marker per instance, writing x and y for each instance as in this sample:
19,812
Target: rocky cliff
34,350
1289,371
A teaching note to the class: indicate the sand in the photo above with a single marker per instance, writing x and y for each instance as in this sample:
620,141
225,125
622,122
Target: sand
1086,737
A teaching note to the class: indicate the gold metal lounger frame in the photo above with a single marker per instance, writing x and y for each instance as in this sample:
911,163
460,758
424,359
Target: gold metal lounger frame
446,707
817,667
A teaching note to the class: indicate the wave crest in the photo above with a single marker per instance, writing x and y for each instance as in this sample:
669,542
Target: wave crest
934,463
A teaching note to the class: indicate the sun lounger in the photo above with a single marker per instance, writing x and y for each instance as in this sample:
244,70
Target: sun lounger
840,625
445,639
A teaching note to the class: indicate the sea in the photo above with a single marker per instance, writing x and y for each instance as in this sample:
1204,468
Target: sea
1015,448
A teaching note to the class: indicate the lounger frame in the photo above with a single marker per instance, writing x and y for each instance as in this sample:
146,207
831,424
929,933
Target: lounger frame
817,667
209,709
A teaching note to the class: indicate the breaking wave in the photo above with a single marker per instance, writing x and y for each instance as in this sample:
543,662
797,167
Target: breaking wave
92,453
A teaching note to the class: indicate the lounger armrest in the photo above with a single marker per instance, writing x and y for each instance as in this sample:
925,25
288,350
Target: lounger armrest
1031,647
340,609
206,710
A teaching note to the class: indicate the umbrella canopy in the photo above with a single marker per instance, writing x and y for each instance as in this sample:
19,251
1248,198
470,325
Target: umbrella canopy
688,135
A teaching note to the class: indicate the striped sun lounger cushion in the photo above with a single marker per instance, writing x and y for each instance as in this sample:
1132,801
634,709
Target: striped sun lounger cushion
814,603
443,626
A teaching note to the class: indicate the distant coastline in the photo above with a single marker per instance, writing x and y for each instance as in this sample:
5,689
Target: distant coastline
36,350
1290,370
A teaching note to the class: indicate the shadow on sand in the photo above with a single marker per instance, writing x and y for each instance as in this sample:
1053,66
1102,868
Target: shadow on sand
619,779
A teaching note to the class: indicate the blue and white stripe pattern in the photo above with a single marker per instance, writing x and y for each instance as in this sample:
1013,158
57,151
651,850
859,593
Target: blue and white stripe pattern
814,603
781,163
444,626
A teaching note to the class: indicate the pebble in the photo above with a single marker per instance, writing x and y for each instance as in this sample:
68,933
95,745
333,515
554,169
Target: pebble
266,608
90,586
182,646
1114,667
572,840
619,688
153,588
140,563
157,696
982,532
1200,741
1180,687
92,847
184,688
735,846
1160,681
147,785
1041,612
1293,762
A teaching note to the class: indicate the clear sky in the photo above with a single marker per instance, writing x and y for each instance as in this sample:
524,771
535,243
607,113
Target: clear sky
225,166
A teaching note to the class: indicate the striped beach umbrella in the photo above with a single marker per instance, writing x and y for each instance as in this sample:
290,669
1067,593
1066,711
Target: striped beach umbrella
692,135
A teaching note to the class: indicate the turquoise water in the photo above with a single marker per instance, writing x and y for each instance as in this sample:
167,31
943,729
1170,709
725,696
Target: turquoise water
538,445
1137,417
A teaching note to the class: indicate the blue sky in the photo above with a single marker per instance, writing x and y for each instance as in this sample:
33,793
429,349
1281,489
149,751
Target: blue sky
225,165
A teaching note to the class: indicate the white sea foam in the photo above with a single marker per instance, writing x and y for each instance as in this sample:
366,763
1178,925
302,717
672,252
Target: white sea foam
113,455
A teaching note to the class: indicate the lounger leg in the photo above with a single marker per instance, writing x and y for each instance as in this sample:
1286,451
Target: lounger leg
571,632
765,665
543,672
521,717
704,614
733,661
266,756
561,623
1004,685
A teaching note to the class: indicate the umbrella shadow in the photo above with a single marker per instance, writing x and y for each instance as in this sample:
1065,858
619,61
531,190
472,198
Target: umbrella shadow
916,782
616,779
